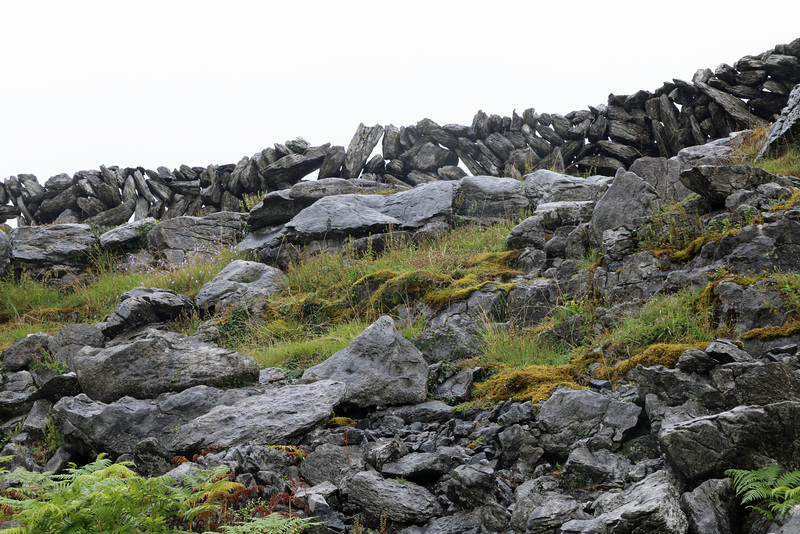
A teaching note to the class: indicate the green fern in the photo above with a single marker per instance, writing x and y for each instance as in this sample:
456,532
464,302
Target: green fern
107,497
781,489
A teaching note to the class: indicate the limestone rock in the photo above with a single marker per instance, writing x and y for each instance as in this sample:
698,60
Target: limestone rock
404,503
240,282
600,417
651,505
487,198
206,234
131,233
159,363
379,368
548,186
359,149
716,183
743,438
628,197
785,128
145,305
340,216
281,416
89,427
5,253
61,244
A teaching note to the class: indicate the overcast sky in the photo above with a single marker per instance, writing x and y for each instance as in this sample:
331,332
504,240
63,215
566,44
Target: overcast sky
164,82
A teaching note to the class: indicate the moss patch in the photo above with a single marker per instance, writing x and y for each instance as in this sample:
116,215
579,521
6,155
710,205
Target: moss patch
659,354
773,332
533,383
693,249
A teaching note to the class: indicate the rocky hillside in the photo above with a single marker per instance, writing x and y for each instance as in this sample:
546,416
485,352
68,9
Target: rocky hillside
661,307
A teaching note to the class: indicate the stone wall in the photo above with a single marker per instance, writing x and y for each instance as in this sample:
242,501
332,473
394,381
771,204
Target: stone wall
599,140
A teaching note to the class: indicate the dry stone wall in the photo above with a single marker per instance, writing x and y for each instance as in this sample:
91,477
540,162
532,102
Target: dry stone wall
599,140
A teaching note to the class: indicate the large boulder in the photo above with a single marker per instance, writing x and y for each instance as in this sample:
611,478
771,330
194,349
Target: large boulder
664,175
89,427
129,234
421,205
192,236
490,199
404,503
38,247
746,437
281,416
240,282
651,505
716,183
158,363
379,368
145,305
628,198
340,216
570,415
547,186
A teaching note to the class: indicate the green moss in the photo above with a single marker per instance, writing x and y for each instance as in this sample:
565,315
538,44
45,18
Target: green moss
533,383
659,354
407,288
693,249
773,332
341,421
788,204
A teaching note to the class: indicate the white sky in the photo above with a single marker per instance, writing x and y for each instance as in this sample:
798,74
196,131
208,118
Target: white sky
85,83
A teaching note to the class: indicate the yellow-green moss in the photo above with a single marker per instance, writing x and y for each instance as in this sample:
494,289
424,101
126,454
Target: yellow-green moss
533,383
773,332
788,204
693,249
658,354
341,421
407,288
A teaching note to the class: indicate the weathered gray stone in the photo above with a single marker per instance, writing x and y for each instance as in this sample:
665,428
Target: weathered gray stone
281,416
628,197
240,282
359,149
530,233
785,129
554,511
132,233
89,427
115,216
487,198
340,216
145,305
380,368
25,351
159,363
421,205
585,467
209,233
450,337
651,505
426,466
471,485
404,503
664,175
569,415
61,244
716,183
72,338
547,186
745,437
711,508
291,168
